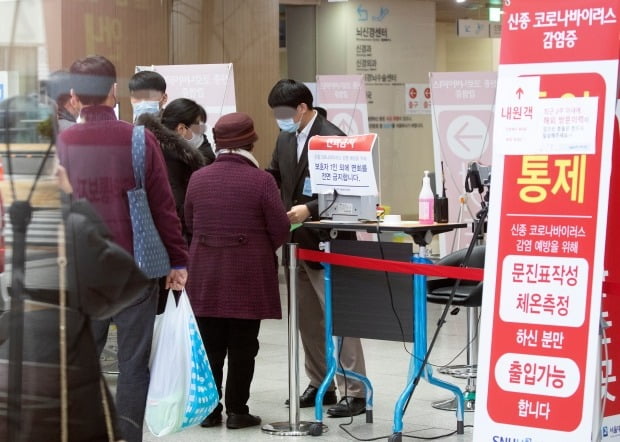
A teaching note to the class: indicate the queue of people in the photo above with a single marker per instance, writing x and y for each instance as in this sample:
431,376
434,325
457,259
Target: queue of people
221,226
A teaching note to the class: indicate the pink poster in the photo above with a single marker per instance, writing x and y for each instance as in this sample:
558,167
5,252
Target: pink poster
344,98
210,85
462,118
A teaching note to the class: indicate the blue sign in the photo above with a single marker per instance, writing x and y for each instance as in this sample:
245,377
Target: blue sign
1,91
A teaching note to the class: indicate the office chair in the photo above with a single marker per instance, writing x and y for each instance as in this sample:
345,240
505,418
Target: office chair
468,294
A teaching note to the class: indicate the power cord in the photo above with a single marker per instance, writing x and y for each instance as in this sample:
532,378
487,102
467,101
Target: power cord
330,204
404,342
400,325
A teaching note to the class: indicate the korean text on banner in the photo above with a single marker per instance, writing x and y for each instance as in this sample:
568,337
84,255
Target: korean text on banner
344,98
554,122
210,85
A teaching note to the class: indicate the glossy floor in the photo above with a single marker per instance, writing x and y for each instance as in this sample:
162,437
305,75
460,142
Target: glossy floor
387,366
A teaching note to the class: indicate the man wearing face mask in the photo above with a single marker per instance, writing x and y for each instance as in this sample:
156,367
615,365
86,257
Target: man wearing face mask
291,103
147,92
97,157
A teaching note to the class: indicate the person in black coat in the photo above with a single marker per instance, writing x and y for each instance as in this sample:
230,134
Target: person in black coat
181,160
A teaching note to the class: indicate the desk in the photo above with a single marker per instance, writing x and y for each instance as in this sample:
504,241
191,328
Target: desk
422,235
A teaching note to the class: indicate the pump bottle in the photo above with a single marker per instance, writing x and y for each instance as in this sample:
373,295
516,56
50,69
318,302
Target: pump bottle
426,201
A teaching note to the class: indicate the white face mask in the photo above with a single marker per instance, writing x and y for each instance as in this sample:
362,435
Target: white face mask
144,107
196,140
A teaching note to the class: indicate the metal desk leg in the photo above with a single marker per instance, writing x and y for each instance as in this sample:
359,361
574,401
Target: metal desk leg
419,353
331,356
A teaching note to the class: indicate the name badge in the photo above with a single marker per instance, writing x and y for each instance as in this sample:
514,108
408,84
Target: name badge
307,187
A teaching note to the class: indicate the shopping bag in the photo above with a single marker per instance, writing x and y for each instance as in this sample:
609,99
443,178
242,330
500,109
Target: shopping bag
182,391
149,250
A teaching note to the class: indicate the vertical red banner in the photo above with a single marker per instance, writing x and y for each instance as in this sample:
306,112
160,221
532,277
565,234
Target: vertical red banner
554,118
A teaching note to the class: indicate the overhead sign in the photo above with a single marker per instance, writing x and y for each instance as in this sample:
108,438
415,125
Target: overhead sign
554,121
342,163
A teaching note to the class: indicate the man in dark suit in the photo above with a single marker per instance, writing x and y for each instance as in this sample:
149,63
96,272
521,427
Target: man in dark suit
291,103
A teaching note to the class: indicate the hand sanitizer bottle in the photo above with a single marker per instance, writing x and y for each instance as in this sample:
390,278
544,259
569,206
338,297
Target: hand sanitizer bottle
426,201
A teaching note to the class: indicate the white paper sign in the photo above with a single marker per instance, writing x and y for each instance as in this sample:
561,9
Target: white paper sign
343,164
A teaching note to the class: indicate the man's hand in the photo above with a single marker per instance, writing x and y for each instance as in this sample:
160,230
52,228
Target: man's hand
176,279
298,214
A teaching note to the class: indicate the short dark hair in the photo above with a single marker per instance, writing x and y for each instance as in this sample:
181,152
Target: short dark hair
203,113
92,78
181,110
147,81
289,93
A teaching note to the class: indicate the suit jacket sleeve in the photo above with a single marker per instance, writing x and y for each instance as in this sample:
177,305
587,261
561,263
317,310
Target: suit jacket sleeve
278,224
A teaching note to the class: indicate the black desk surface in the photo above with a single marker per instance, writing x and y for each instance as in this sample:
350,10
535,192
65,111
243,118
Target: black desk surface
421,233
404,226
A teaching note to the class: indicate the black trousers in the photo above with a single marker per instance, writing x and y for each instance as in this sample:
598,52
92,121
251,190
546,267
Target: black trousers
237,338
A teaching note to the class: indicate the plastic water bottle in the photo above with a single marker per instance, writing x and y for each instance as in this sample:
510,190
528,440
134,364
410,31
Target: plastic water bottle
426,201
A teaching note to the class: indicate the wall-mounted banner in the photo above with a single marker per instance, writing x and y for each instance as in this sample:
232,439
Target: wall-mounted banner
462,117
417,99
554,123
210,85
344,164
344,98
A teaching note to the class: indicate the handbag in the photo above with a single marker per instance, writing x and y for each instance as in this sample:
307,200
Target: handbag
103,277
148,249
182,390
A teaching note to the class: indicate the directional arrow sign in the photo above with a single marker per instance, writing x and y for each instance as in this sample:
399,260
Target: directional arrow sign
467,136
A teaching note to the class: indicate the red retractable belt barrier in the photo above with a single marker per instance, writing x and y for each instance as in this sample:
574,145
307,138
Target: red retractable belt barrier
468,273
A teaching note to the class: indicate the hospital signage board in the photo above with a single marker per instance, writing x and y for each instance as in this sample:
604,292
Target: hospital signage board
538,368
417,99
462,119
210,85
344,99
342,163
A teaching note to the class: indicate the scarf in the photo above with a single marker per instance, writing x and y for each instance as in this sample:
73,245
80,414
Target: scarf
244,153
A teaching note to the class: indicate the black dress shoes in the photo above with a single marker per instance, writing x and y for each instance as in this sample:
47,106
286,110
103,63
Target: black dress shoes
236,421
212,420
348,406
308,397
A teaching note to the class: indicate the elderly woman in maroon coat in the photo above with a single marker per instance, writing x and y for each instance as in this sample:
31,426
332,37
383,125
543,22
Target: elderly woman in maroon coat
237,219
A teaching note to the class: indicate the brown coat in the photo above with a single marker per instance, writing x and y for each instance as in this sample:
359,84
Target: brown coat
237,220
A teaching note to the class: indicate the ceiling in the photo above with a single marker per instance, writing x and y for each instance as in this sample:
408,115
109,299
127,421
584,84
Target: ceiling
450,11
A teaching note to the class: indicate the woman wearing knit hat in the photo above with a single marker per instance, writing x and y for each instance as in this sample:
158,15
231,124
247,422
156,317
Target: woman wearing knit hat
237,220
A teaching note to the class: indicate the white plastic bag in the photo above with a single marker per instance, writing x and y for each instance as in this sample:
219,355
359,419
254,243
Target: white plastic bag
182,391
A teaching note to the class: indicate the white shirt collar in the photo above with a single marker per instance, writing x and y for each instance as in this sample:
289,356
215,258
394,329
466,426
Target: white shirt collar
302,136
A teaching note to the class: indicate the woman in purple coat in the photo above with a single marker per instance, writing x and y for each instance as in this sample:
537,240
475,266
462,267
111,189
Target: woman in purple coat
237,220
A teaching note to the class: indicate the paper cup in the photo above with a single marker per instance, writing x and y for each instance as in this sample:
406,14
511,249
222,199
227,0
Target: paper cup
392,219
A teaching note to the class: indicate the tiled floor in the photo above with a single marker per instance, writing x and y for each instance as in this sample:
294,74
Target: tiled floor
387,366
